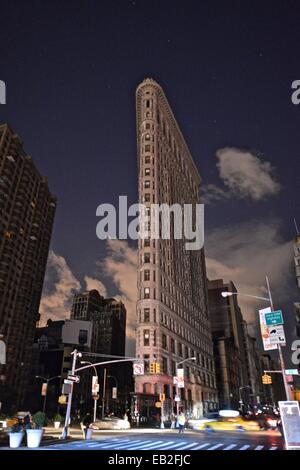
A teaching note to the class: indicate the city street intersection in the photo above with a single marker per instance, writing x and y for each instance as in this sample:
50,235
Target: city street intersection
167,439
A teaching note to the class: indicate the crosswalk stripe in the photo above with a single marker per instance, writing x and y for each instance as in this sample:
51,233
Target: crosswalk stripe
215,446
108,446
168,443
259,448
273,448
172,445
244,447
202,446
144,444
188,446
231,446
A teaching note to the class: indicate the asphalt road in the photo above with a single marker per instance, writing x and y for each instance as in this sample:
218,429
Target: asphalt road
160,440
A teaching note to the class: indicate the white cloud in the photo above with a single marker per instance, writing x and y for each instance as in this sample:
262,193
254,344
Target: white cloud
244,174
92,283
60,285
245,254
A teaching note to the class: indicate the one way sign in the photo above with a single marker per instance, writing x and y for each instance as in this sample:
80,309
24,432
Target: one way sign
74,378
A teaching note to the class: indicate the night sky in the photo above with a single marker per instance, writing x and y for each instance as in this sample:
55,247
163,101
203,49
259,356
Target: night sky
71,69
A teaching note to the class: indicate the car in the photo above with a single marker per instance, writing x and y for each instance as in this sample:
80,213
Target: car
267,421
111,423
227,420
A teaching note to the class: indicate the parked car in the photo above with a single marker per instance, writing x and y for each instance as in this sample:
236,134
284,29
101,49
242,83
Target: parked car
112,423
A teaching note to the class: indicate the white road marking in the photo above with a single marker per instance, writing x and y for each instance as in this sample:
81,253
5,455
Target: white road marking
231,446
202,446
244,447
188,446
273,448
215,446
108,446
259,448
145,444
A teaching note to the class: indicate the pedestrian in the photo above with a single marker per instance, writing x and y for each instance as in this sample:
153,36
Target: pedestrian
181,422
173,421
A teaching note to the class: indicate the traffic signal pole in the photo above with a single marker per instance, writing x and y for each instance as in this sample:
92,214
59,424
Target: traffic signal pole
281,360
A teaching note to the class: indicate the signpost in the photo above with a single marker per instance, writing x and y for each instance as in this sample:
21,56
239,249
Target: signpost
74,378
291,372
274,318
268,346
138,368
290,416
276,334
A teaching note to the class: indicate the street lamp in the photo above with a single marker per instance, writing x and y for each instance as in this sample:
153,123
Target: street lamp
47,381
177,388
95,399
270,300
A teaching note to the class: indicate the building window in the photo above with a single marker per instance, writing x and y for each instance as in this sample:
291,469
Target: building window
173,364
172,345
146,337
164,341
147,171
147,293
146,315
147,183
147,275
154,315
147,148
180,349
147,242
154,338
186,350
165,365
147,197
147,137
146,362
146,257
147,159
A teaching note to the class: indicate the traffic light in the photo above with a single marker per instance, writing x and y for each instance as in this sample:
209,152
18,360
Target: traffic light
162,397
266,379
154,368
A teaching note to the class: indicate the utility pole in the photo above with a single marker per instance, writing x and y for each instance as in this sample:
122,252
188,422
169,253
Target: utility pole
64,434
281,360
103,395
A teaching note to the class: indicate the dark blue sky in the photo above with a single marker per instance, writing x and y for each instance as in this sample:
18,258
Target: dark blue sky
71,69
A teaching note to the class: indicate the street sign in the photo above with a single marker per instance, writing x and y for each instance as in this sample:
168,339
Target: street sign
274,318
138,368
276,334
180,377
44,389
290,417
268,346
68,382
95,385
177,398
114,393
291,372
74,378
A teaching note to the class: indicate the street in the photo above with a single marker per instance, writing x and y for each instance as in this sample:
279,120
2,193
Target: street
166,439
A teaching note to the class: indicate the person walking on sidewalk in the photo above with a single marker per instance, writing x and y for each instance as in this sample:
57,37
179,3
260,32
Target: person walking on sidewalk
181,422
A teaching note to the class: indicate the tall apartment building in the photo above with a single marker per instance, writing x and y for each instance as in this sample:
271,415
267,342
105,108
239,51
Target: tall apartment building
27,211
172,311
229,344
